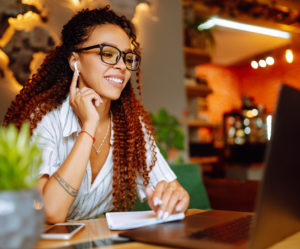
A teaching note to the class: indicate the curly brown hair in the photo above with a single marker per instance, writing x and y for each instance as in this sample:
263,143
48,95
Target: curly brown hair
49,87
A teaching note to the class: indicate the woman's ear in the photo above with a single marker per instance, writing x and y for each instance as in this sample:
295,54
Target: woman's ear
73,59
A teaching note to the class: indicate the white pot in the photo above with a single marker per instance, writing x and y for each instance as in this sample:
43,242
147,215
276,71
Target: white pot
21,218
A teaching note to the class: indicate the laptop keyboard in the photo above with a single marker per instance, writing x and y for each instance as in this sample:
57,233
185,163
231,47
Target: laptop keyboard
230,232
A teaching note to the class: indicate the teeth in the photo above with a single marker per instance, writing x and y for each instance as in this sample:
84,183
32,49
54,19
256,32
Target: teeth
114,79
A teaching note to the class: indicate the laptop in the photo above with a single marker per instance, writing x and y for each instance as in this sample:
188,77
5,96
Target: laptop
277,214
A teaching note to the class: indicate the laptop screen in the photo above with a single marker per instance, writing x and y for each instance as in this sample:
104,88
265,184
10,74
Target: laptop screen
278,204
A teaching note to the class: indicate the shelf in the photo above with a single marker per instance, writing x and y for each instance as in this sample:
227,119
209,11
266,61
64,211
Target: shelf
194,90
195,56
199,123
207,159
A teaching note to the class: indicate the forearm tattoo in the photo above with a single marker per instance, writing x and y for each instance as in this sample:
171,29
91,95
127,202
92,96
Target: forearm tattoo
66,186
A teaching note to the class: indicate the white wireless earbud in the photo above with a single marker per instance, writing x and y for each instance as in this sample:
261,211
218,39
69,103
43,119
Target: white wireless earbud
76,68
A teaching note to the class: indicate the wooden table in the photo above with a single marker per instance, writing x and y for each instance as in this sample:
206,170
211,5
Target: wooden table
96,229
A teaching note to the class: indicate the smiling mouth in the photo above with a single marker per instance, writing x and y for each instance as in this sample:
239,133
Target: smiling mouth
116,80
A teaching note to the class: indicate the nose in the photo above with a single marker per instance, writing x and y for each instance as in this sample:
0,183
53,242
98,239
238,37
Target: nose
120,64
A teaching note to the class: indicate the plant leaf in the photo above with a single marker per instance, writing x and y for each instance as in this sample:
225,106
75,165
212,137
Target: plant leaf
20,159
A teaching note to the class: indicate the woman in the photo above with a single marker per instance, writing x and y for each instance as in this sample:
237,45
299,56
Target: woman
97,138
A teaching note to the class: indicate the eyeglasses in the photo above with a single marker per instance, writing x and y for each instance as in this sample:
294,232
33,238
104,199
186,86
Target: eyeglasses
111,55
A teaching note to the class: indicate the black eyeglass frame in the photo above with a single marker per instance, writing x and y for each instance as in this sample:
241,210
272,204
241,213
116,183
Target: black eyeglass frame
121,54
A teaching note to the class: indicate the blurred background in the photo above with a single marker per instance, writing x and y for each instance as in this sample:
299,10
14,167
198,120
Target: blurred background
211,73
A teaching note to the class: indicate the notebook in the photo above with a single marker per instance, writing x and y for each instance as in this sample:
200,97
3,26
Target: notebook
134,219
277,214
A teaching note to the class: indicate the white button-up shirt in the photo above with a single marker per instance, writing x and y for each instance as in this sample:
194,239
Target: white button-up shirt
57,134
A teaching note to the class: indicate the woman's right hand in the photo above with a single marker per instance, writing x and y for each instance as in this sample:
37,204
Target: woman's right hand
83,102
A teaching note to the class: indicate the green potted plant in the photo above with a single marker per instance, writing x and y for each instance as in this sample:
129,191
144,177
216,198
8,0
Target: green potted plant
169,135
21,206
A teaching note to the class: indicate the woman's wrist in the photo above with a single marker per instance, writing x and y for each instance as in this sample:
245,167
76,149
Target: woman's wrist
90,128
87,133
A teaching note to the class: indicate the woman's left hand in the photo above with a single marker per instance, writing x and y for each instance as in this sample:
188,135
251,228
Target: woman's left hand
168,198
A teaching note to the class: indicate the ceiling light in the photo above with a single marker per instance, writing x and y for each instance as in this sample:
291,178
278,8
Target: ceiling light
243,26
262,63
270,60
254,64
289,56
207,25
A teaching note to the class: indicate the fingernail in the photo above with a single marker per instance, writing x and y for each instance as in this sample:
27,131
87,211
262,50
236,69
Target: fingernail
178,208
166,215
160,214
156,201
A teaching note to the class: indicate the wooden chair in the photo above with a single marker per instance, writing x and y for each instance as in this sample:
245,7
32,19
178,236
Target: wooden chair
229,194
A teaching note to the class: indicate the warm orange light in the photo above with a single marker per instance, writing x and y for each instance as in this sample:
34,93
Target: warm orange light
252,113
76,2
3,58
289,56
36,3
141,11
142,7
24,22
9,32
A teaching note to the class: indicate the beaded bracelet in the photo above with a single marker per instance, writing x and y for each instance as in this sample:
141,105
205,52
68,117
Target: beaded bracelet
83,131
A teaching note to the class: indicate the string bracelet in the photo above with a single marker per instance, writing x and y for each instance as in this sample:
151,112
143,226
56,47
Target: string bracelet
83,131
